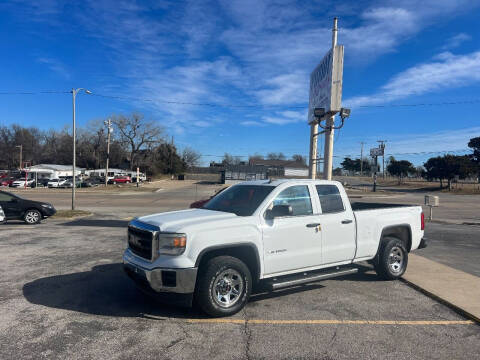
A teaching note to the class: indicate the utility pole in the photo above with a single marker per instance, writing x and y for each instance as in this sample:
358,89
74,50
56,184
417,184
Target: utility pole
361,159
382,146
328,151
109,130
21,154
74,95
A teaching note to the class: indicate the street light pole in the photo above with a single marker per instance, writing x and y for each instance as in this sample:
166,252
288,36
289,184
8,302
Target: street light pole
74,94
109,129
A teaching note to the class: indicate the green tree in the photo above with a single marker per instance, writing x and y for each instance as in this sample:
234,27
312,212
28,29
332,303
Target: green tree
400,168
474,144
448,167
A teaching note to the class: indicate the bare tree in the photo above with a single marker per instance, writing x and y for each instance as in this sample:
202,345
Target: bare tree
299,158
137,134
276,156
190,157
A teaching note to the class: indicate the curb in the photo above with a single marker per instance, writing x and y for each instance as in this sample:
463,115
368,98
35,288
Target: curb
455,308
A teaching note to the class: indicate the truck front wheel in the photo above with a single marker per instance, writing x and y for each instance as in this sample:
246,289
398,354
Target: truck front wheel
392,259
224,286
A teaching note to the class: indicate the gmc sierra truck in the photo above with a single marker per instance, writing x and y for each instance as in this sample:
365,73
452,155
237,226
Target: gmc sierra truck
277,233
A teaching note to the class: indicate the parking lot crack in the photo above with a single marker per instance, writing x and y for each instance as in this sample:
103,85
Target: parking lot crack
248,335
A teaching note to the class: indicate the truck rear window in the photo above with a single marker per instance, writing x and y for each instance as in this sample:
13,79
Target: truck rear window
330,199
241,200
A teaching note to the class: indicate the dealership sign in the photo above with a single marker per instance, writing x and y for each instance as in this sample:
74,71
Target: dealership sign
326,83
376,152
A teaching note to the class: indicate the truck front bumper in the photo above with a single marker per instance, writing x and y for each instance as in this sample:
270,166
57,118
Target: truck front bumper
162,280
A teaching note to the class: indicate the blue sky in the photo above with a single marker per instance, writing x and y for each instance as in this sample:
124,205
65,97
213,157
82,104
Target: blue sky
252,60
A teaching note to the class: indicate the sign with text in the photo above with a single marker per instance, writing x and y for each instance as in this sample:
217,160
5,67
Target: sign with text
376,152
326,83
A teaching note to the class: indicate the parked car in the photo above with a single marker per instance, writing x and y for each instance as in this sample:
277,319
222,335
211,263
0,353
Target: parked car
125,179
2,215
55,183
7,181
18,208
19,183
42,182
199,204
279,233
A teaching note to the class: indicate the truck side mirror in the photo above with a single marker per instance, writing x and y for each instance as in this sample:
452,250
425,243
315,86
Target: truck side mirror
278,211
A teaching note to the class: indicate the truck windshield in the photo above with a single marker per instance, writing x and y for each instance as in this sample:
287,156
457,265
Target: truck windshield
241,200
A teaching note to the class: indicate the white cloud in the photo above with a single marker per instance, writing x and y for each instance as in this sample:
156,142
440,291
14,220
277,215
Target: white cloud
252,123
286,117
448,71
456,41
56,66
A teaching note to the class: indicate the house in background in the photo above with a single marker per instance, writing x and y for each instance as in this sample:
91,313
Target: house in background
282,168
52,171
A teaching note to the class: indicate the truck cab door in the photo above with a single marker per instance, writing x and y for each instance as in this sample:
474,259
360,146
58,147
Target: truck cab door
292,242
337,223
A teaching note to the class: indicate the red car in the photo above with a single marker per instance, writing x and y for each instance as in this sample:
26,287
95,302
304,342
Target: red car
121,180
198,204
8,181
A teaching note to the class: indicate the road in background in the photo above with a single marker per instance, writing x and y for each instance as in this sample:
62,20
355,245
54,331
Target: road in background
457,246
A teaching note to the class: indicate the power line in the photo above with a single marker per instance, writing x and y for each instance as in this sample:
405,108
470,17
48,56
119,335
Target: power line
252,106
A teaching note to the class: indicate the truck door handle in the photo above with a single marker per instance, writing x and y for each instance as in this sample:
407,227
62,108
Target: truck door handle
313,225
347,221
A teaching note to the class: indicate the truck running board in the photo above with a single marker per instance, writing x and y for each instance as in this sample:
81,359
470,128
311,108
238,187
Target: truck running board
303,278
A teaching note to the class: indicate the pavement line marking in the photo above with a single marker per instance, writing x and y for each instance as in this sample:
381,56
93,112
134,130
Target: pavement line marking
332,322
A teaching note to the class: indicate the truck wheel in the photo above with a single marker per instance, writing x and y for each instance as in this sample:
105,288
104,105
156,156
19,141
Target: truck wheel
392,259
32,217
224,286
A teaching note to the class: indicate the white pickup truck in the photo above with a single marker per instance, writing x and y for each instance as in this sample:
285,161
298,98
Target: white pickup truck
276,233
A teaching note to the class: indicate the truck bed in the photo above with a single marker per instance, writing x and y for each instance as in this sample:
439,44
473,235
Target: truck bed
362,206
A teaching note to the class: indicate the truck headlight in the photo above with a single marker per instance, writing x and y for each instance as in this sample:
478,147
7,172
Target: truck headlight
171,243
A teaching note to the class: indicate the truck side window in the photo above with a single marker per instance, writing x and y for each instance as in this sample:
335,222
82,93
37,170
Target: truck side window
298,197
330,199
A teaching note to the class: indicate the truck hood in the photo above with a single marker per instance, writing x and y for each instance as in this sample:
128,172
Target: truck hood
176,220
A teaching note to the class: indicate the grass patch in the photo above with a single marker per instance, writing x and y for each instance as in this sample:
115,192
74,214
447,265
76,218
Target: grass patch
69,214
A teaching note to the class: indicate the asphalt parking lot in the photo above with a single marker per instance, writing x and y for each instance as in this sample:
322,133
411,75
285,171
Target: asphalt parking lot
64,295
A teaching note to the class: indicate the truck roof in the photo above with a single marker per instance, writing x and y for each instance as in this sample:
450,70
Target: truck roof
278,182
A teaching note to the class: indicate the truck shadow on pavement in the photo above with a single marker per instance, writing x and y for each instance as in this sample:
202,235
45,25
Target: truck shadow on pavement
106,290
97,223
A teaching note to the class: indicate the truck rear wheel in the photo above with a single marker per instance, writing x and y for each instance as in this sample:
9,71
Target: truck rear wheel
392,259
224,286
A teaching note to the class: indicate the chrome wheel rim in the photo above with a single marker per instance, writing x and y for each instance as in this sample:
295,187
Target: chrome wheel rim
227,288
32,217
395,259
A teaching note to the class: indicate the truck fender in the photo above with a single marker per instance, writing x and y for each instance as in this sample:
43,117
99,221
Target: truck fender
400,231
240,251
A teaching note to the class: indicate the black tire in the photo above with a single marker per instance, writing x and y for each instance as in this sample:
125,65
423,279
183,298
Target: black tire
32,217
391,260
223,279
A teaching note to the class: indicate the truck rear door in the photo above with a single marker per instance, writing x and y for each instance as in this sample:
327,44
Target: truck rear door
337,224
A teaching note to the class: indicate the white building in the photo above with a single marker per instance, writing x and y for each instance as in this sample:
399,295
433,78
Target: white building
112,172
52,171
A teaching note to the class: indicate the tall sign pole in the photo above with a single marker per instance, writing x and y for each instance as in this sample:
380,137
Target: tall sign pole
328,151
312,169
325,101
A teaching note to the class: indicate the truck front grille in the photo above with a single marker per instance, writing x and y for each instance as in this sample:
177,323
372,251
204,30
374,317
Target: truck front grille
140,242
